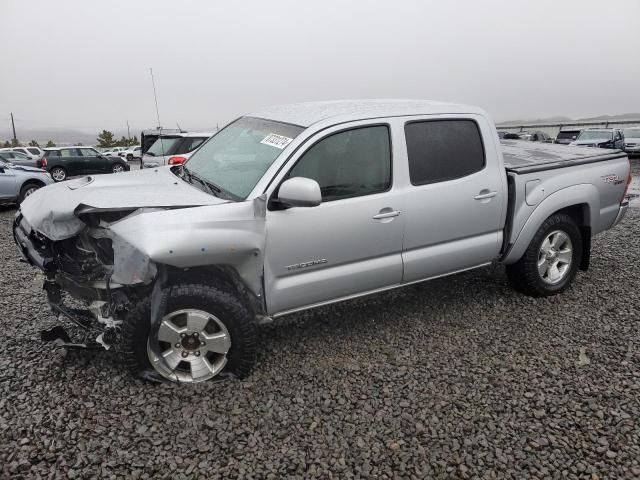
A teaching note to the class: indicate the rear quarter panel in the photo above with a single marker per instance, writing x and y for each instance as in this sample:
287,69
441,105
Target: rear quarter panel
597,187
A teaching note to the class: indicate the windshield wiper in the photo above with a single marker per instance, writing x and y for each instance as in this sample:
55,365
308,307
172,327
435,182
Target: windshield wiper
210,187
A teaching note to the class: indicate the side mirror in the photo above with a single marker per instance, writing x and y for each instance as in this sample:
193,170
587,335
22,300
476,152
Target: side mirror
300,192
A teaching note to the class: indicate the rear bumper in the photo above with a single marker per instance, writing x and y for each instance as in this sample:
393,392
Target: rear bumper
621,212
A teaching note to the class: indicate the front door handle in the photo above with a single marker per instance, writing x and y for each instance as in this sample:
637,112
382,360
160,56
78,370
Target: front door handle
484,194
386,213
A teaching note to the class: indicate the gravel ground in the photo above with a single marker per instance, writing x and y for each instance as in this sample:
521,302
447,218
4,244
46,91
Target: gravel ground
456,378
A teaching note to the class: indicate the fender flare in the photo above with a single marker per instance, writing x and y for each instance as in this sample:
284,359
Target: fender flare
583,194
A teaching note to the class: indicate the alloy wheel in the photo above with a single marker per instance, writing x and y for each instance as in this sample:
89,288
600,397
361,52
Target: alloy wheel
189,346
555,257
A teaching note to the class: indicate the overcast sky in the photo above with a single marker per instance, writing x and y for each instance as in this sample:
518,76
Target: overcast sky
85,64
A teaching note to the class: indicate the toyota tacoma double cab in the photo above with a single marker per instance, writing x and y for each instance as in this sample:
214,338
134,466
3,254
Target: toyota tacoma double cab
298,206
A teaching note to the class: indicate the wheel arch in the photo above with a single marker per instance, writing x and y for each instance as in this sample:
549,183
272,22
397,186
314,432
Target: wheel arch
224,277
32,181
580,202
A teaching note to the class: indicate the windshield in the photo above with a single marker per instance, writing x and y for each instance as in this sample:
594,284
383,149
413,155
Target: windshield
162,146
632,132
596,135
238,156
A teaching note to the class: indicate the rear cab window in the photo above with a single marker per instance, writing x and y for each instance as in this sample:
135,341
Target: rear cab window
442,150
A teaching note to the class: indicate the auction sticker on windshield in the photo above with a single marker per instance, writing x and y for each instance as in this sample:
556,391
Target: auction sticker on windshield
277,141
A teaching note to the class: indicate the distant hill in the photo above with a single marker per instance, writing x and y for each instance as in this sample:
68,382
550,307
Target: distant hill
59,136
63,136
610,118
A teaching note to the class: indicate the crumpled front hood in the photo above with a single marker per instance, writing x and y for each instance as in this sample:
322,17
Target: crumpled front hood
52,210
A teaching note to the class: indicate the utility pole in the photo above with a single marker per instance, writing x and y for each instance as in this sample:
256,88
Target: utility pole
128,132
13,125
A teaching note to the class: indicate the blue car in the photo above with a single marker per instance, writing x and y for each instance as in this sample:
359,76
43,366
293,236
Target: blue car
18,182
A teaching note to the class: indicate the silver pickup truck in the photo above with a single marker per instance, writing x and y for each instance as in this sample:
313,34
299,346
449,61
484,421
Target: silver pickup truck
298,206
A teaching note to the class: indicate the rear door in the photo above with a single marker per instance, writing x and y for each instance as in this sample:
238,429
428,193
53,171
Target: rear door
71,160
8,186
456,200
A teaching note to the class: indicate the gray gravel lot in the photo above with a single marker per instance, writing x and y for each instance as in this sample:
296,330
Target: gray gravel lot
456,378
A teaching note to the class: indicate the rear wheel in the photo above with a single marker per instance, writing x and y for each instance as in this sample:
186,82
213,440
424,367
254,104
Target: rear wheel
117,168
551,261
27,190
201,333
59,174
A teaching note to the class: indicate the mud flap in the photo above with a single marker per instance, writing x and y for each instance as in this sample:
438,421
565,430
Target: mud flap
586,248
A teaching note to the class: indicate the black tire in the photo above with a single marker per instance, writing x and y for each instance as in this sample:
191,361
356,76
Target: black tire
237,318
27,189
523,275
62,175
129,156
117,167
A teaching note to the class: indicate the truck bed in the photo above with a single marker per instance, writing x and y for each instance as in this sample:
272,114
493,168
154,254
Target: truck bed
527,157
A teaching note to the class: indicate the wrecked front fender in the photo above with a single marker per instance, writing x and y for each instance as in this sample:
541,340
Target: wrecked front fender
231,234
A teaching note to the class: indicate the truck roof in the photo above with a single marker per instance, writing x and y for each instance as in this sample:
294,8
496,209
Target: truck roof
306,114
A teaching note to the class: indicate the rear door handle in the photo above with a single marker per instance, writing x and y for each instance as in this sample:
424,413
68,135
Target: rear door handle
484,194
386,214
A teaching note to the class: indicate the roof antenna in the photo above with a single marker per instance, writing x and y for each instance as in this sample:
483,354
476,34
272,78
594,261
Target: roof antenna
155,97
179,128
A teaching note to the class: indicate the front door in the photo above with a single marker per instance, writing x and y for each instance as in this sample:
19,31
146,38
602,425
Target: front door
456,202
349,244
94,162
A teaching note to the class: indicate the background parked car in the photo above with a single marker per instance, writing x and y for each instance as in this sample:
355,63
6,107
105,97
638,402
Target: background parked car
565,137
535,136
632,140
17,183
64,162
114,151
600,137
173,149
132,153
34,152
17,158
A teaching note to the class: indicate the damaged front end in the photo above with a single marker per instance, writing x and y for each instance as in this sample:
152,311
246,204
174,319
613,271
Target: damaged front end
108,243
87,267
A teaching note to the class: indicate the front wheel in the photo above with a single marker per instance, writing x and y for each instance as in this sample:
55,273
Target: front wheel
117,168
59,174
201,333
551,261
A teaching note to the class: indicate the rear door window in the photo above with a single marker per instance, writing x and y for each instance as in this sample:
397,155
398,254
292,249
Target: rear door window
441,150
35,151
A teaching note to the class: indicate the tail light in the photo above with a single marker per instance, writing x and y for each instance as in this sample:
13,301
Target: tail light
43,162
177,160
